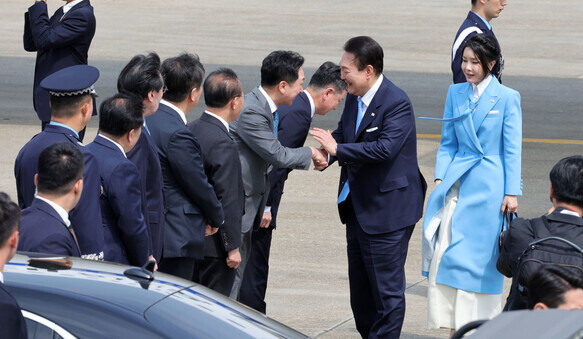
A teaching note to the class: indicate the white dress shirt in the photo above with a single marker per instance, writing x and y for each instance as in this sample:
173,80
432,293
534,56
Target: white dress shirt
70,5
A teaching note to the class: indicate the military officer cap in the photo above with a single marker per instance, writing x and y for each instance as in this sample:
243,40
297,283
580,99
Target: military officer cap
72,81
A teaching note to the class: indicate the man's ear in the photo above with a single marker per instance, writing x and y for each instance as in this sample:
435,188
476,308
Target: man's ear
540,306
13,240
282,86
78,187
86,108
36,180
552,192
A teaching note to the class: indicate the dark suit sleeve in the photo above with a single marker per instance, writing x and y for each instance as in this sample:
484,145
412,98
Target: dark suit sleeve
56,244
226,179
13,325
397,125
75,24
27,39
518,236
187,167
125,197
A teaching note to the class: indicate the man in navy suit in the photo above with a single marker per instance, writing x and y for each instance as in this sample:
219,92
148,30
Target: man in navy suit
126,233
142,77
13,324
323,94
193,209
381,189
45,225
60,42
477,21
223,96
71,102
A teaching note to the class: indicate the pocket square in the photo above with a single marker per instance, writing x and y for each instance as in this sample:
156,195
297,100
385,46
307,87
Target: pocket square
372,129
494,112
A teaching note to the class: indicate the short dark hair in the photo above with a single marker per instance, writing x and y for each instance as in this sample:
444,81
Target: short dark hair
549,284
9,218
567,180
220,87
280,66
182,74
68,106
486,49
367,52
328,75
60,166
474,2
120,114
141,75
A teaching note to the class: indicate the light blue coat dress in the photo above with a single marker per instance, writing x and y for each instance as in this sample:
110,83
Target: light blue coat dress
481,150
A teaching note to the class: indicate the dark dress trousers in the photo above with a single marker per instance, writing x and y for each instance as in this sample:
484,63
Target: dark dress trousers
13,323
470,27
385,201
190,199
126,233
294,124
42,230
85,217
223,169
60,42
145,156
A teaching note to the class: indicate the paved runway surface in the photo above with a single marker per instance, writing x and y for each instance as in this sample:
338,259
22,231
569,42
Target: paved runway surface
308,287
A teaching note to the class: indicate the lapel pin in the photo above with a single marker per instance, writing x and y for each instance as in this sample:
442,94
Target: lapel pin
372,114
491,100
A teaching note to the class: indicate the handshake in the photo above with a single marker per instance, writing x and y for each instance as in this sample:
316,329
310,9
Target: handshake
320,155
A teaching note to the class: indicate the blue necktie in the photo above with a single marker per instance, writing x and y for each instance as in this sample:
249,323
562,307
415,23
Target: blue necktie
275,122
346,188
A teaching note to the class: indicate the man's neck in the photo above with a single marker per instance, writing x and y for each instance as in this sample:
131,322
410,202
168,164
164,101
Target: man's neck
481,13
273,93
183,106
69,122
224,113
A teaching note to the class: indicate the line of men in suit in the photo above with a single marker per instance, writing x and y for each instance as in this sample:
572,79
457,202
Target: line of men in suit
210,178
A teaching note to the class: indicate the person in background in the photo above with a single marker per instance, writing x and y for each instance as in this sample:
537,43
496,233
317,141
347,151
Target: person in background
126,234
553,286
478,21
45,226
61,41
13,324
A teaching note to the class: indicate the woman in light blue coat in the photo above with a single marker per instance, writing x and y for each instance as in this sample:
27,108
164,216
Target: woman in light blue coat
477,173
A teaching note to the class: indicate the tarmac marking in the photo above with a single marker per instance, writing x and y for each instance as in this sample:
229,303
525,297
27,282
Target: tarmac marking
544,141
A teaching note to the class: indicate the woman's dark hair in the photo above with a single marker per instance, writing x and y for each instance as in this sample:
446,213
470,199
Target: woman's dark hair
486,49
549,284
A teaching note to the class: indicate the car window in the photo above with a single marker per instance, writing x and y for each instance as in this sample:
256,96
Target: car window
42,328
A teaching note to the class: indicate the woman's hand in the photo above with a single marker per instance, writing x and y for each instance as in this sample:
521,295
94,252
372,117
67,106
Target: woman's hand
437,182
511,203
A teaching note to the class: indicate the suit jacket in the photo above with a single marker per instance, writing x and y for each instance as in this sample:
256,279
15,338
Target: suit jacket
471,26
85,217
292,131
60,42
223,169
190,199
42,230
258,149
145,156
126,233
482,150
380,161
13,323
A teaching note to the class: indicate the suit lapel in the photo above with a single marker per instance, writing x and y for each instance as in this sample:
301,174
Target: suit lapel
372,109
351,110
462,107
46,208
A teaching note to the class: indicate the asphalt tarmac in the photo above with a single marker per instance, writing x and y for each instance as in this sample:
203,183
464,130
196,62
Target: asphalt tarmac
308,286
